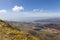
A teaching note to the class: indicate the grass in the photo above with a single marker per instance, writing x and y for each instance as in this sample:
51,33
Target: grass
7,32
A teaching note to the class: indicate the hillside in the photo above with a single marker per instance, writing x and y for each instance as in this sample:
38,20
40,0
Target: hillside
48,32
7,32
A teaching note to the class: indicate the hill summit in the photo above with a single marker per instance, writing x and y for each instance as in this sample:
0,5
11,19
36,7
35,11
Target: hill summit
7,32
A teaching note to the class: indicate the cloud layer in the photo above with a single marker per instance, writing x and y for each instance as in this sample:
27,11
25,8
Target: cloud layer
17,8
16,14
3,11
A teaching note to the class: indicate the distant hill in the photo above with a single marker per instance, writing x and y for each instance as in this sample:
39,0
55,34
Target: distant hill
49,20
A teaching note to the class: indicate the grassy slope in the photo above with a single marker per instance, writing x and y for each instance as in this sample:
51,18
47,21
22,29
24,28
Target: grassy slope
7,32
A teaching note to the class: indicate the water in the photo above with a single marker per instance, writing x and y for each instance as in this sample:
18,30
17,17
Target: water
38,28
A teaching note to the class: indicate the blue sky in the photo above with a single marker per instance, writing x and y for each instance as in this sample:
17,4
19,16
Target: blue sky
21,9
29,5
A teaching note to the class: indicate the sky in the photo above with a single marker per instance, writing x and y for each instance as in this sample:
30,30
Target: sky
21,9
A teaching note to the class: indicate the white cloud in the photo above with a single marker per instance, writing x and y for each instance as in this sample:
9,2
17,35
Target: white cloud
3,11
30,15
40,10
17,8
36,10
